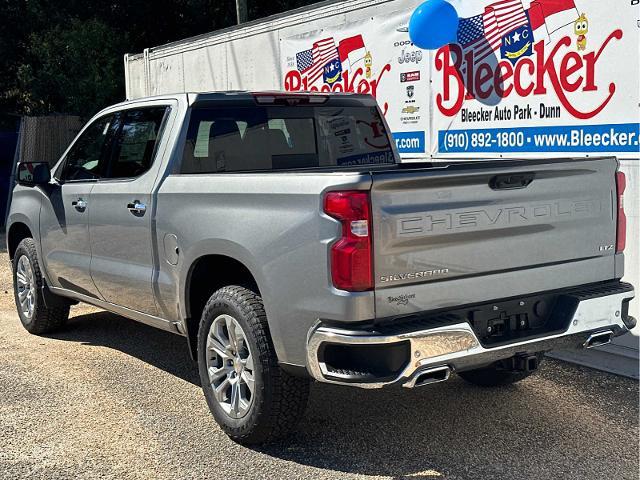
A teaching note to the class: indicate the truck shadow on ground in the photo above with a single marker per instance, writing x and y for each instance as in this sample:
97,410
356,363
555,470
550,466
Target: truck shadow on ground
549,426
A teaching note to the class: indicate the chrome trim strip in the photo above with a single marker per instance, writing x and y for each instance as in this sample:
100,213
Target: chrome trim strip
457,346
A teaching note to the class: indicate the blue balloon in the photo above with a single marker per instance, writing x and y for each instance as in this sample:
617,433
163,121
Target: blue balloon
433,24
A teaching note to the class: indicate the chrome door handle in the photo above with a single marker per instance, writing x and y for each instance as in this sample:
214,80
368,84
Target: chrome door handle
137,207
80,205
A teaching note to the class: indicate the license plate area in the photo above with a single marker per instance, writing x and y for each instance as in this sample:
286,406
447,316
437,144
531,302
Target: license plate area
511,319
521,318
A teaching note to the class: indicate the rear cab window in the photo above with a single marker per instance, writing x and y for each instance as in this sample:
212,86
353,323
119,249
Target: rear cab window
284,137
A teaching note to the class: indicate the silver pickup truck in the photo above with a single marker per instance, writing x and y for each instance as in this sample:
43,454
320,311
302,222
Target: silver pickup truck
281,236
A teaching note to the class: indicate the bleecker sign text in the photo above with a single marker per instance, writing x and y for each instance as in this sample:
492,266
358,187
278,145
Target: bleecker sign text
557,68
347,82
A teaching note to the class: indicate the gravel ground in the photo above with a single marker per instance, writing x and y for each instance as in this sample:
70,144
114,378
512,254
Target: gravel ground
110,398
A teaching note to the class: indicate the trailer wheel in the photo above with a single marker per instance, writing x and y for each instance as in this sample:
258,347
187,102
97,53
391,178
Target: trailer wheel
252,399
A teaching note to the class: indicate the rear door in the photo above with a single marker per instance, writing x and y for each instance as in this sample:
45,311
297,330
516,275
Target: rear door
472,233
120,224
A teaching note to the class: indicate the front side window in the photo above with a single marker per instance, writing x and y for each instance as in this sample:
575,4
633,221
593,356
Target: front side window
263,138
135,143
86,159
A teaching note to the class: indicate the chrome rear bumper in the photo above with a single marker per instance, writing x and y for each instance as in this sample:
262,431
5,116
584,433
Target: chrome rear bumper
456,347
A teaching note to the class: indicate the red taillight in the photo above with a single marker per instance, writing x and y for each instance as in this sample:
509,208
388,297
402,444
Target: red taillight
351,261
621,234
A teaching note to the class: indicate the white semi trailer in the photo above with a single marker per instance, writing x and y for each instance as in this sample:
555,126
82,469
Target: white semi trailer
525,78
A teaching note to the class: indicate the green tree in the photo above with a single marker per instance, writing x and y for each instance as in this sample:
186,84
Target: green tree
13,35
67,56
75,68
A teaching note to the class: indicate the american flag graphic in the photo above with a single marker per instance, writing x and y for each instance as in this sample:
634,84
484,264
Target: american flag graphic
483,33
312,61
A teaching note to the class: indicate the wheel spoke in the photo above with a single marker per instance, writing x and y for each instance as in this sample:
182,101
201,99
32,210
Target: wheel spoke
219,391
23,265
218,332
22,279
231,329
30,302
243,406
248,362
22,293
247,379
216,374
214,345
235,397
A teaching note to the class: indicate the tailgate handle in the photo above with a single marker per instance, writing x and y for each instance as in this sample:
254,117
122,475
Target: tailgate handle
511,181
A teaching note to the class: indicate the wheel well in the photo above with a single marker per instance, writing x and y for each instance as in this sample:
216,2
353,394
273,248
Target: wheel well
207,275
17,233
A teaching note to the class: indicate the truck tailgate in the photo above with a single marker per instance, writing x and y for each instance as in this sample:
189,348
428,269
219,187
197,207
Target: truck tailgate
475,232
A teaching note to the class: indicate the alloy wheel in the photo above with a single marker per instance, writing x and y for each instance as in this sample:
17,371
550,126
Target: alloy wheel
26,286
230,366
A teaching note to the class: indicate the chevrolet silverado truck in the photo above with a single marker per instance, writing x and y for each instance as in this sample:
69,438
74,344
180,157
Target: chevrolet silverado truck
281,236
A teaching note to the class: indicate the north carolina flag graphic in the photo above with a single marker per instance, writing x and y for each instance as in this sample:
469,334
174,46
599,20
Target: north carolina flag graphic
552,14
351,50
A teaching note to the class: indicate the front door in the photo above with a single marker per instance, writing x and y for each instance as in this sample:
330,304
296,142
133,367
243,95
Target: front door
64,221
120,225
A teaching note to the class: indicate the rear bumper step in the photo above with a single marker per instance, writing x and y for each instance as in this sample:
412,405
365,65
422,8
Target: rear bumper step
427,356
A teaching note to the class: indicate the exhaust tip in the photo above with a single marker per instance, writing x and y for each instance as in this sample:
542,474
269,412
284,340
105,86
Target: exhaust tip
598,339
429,376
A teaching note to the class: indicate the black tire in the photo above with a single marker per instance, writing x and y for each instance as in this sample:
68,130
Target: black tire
496,375
278,400
46,317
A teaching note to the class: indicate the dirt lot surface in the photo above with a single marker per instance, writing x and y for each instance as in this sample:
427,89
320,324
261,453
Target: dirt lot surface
110,398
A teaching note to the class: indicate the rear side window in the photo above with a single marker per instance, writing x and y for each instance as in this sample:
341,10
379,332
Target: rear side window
279,137
136,141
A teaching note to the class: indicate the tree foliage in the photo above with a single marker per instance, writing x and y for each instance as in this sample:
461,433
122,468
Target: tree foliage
67,56
75,68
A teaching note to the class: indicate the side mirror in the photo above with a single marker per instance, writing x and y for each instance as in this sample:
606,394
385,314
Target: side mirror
36,173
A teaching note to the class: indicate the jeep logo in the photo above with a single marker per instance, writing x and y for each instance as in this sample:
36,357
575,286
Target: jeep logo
410,57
